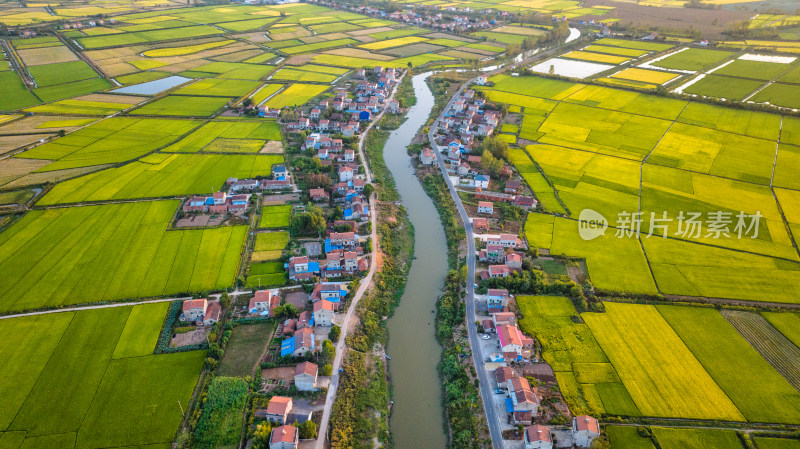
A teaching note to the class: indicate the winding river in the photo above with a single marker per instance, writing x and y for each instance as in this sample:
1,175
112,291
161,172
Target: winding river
417,417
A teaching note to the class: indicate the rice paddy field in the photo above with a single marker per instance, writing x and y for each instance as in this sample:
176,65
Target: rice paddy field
83,245
162,175
275,216
614,151
88,370
614,364
116,139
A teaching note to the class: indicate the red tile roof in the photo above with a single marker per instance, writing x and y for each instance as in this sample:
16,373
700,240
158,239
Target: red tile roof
279,405
194,304
585,422
283,434
538,433
306,368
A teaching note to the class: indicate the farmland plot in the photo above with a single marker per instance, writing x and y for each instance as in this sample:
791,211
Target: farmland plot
760,393
68,375
686,268
295,95
83,265
671,438
275,216
787,323
244,349
184,106
661,374
116,139
203,137
693,59
778,350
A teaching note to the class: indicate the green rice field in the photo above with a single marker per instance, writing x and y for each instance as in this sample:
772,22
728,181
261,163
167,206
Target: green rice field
182,106
162,175
116,139
83,245
80,370
275,216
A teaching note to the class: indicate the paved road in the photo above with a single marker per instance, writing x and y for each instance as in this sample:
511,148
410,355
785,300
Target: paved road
365,283
479,359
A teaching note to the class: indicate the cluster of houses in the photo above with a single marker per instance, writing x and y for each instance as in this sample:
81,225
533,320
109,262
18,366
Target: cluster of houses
440,21
467,118
584,430
344,113
522,407
501,263
280,410
220,202
236,198
343,257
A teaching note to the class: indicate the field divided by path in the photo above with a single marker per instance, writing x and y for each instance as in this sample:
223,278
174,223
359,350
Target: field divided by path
661,361
161,175
622,152
77,368
99,253
661,374
778,350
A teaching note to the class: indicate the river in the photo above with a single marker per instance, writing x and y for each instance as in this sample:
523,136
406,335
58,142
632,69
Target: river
417,417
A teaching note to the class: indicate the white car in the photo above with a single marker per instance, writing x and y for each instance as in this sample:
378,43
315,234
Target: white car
485,337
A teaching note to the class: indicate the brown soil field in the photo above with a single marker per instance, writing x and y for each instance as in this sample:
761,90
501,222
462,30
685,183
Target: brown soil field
357,53
711,20
46,55
30,124
10,143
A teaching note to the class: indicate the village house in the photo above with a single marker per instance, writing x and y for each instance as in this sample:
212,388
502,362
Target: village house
427,156
342,240
485,207
300,268
301,343
305,376
584,430
194,310
283,437
538,437
514,261
278,409
498,271
501,318
525,202
263,303
496,299
505,240
522,417
512,339
480,224
488,326
523,397
501,375
513,187
329,291
212,313
323,313
319,195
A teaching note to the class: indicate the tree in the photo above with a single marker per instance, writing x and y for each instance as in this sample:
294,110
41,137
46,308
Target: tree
328,352
308,430
497,146
334,333
552,70
225,300
491,164
368,189
326,370
286,311
261,435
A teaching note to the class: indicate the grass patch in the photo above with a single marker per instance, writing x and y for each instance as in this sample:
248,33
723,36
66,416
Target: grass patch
244,349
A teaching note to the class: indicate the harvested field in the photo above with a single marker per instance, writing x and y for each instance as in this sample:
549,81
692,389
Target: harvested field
778,350
47,55
11,143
